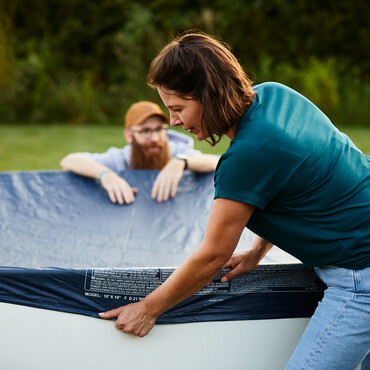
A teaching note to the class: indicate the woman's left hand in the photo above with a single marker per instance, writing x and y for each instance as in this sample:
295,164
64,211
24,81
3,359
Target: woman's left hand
246,261
132,319
240,263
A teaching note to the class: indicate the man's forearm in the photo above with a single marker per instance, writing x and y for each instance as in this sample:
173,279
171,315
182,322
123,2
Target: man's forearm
82,165
202,163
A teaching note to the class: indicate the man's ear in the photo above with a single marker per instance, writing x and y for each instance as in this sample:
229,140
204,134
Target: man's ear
128,135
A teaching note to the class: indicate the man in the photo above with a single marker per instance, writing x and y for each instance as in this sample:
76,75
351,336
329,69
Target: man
150,147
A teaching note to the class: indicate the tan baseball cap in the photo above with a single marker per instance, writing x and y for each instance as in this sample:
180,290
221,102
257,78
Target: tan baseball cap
142,110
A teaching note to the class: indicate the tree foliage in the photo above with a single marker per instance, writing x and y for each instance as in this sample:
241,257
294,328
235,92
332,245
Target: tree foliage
86,61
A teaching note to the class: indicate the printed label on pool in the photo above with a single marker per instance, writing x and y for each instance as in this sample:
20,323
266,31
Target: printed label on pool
141,282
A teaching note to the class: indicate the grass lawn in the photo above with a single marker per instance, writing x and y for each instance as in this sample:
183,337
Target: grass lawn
41,147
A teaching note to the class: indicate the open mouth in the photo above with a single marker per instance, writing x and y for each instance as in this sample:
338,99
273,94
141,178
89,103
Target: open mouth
192,130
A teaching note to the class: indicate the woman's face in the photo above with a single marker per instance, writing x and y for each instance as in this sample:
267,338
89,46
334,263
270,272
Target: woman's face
187,112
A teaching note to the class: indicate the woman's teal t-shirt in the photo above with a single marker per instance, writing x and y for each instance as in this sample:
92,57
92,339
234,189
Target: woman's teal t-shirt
309,183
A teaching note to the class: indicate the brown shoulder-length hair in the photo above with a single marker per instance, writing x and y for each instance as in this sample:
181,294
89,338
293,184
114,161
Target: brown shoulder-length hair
198,66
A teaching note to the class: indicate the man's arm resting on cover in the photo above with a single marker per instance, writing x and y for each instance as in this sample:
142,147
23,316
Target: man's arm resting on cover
202,163
117,188
82,165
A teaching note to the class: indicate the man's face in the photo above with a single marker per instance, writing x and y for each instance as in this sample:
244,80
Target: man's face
149,144
151,134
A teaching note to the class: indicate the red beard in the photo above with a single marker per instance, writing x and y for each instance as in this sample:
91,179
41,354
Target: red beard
143,159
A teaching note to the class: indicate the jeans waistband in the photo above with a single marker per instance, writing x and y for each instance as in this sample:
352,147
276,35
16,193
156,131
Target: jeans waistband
356,281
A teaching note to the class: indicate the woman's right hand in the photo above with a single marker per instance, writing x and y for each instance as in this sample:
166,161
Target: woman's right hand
132,319
118,189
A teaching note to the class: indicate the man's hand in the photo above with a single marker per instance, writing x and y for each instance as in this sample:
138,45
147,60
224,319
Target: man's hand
119,191
166,183
131,319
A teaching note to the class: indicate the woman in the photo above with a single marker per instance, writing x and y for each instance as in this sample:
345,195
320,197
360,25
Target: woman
290,176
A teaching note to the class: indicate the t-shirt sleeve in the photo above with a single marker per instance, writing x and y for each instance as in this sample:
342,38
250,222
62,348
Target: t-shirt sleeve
114,158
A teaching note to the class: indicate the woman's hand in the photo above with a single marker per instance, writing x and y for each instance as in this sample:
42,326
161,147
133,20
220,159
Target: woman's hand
246,261
240,263
227,221
132,319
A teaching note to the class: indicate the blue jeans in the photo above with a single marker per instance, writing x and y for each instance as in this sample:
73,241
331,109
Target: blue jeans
338,334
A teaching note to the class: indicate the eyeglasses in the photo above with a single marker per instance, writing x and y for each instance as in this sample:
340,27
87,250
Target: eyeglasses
146,133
